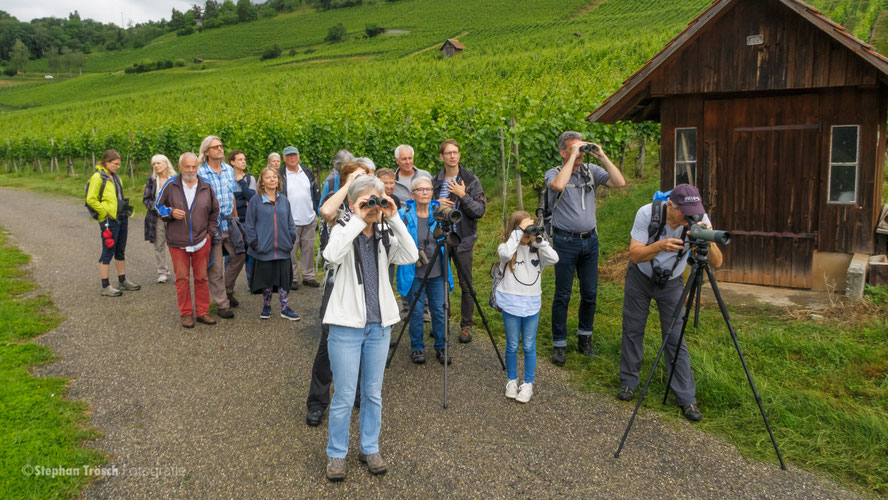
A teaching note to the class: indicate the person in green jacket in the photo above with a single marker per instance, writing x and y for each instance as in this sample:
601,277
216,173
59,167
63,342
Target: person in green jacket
105,196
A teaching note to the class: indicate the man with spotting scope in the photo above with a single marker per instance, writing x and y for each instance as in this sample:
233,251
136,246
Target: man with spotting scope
658,255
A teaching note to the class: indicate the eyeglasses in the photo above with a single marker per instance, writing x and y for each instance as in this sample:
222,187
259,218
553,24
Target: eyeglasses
217,146
450,153
422,190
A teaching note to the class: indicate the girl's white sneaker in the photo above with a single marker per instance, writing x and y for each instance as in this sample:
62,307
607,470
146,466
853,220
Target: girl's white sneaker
524,393
512,388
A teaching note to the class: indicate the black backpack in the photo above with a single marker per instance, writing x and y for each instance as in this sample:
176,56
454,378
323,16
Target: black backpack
91,210
658,217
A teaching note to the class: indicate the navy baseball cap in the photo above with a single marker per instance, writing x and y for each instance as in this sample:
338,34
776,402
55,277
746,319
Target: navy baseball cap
687,198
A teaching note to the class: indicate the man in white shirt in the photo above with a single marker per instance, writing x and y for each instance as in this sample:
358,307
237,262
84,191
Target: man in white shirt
301,191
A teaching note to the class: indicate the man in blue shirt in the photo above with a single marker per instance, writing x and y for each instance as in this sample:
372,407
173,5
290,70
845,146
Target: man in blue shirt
220,176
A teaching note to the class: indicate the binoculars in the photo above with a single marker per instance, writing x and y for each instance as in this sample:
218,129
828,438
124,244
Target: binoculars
375,201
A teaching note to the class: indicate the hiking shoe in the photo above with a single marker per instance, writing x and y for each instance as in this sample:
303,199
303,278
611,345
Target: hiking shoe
439,355
335,469
691,412
188,321
163,278
512,388
417,357
375,463
626,394
426,317
110,291
225,313
294,285
232,302
584,345
524,393
313,416
288,313
266,312
206,319
312,283
558,355
128,286
465,335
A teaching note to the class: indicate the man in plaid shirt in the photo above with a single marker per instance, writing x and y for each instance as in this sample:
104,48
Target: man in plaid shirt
220,176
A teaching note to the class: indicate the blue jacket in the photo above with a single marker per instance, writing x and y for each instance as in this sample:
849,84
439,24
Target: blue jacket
407,273
269,228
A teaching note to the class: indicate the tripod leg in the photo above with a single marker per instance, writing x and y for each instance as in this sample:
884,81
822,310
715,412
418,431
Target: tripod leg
758,399
483,318
446,284
404,324
697,278
684,296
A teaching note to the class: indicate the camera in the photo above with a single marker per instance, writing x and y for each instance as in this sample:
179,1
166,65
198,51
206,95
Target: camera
375,201
447,215
588,148
698,232
660,276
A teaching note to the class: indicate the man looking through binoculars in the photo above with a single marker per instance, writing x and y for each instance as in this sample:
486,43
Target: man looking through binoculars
658,255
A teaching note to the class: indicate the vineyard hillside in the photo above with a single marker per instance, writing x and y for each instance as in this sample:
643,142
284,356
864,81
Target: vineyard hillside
542,65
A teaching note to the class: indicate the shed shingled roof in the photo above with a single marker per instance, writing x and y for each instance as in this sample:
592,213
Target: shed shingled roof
454,42
634,83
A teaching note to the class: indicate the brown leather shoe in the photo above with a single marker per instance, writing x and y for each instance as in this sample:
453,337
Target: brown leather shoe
206,319
188,321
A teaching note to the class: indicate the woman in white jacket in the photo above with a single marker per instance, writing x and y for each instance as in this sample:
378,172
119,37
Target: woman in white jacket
360,314
522,257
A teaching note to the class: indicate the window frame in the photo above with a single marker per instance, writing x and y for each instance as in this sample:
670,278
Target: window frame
686,163
831,163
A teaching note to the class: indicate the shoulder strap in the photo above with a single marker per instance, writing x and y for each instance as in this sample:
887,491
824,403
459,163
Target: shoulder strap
658,215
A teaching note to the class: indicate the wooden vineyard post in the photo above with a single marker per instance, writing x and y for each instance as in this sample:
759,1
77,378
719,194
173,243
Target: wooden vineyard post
519,191
39,164
639,160
505,178
129,158
53,161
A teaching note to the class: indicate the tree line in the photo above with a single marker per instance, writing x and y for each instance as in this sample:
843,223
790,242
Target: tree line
63,42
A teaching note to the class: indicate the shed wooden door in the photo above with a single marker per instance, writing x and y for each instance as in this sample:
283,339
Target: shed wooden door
764,178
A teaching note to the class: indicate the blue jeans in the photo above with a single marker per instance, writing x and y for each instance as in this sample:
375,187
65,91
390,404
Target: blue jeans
434,293
582,256
526,328
350,348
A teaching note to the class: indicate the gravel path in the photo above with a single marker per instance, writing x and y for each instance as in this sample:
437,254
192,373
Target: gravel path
219,411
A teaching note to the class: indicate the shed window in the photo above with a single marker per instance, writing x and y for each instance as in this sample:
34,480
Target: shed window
686,156
843,161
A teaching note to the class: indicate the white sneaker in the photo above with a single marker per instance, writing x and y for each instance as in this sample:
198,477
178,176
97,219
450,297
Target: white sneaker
524,393
162,278
512,388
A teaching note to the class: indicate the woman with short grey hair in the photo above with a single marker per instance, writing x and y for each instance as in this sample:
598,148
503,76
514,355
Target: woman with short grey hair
161,171
360,315
274,161
367,162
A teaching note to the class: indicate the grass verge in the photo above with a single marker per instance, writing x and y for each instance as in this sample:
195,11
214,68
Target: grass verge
39,428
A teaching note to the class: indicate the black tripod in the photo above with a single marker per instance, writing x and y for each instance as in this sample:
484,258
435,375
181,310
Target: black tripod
691,293
442,249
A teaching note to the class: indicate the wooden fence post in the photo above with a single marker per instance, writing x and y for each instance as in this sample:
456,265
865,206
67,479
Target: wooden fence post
519,191
505,178
129,154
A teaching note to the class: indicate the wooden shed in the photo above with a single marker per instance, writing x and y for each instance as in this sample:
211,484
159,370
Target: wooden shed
451,48
778,116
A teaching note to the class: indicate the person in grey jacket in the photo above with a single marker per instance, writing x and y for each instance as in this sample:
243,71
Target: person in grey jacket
270,233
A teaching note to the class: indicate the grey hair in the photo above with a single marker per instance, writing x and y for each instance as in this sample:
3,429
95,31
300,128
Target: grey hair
570,135
272,155
204,146
367,162
421,178
342,156
363,183
403,146
187,154
170,171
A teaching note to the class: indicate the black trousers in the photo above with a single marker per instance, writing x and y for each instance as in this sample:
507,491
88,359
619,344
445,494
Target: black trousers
321,374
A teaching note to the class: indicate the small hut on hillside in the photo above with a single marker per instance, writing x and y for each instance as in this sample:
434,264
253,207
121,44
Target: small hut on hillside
778,116
451,48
